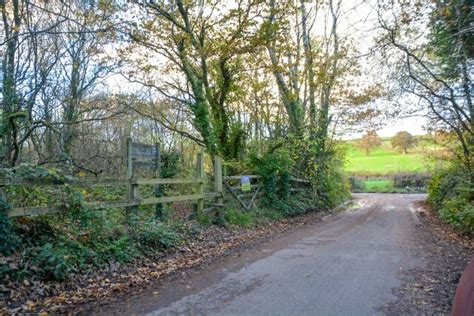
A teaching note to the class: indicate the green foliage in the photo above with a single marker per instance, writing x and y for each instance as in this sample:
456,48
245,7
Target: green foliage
105,192
448,184
58,259
295,205
169,168
34,195
466,217
445,43
235,147
450,192
239,218
284,185
301,203
369,142
9,241
84,250
55,261
160,207
205,219
411,180
122,250
33,172
357,185
402,141
459,214
273,168
237,167
35,231
336,185
79,239
169,164
155,235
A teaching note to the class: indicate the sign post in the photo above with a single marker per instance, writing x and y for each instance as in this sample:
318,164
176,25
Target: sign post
200,176
218,188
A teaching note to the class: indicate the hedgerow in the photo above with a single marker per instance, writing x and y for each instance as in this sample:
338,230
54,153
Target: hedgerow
450,192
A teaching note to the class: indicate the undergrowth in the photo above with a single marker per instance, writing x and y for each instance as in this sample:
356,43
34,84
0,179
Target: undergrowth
451,193
80,240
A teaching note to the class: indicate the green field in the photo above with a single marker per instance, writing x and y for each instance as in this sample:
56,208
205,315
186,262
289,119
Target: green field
378,185
385,160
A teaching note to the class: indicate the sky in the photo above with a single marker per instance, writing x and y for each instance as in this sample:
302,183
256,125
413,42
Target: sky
413,125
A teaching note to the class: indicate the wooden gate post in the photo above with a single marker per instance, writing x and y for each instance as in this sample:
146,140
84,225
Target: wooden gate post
157,160
159,188
218,188
200,175
133,193
3,195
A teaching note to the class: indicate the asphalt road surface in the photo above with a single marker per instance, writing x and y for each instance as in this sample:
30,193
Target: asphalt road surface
346,265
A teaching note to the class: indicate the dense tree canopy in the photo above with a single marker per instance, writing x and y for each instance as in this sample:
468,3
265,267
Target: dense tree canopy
229,77
430,45
369,141
402,141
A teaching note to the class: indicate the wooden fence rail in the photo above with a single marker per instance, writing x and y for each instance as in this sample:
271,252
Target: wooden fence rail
39,210
133,198
108,182
132,184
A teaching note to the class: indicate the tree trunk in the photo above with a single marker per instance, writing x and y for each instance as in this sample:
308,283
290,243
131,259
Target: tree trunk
309,67
9,150
290,99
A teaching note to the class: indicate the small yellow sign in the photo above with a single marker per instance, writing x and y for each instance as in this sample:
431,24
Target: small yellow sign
245,184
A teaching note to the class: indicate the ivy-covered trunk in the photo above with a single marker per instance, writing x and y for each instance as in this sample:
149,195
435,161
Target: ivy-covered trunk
10,150
199,106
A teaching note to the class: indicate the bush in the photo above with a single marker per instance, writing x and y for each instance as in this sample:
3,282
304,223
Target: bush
154,235
239,218
54,261
466,217
333,185
78,240
169,164
411,180
357,185
59,259
273,168
448,184
9,241
120,250
450,193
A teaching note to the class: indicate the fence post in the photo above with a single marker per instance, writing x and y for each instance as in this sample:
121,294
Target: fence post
159,188
133,193
200,175
3,195
158,160
218,188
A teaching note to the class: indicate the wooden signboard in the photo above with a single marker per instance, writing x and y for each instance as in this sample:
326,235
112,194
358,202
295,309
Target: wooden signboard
146,151
144,155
